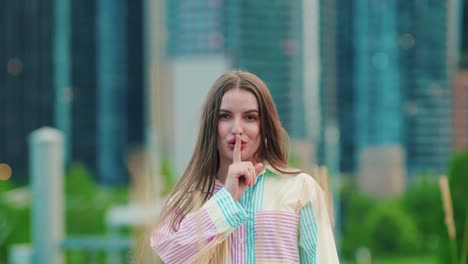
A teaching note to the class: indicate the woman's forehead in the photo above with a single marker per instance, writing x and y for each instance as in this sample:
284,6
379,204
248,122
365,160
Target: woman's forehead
239,98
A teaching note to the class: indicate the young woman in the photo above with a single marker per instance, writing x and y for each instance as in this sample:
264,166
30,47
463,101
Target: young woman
238,201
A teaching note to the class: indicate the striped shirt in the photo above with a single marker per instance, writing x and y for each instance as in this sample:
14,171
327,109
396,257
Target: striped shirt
281,219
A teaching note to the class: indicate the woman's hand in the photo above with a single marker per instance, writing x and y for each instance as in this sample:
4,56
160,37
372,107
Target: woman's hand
241,174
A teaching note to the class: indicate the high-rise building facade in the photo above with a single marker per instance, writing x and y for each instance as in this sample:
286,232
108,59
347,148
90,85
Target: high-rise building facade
398,90
195,27
54,73
378,100
26,78
263,37
337,89
110,92
83,78
346,95
426,79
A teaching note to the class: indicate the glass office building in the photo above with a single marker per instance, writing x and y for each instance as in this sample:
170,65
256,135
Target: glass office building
54,76
427,85
393,79
265,43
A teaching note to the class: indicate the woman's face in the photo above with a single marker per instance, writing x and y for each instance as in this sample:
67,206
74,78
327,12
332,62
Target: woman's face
238,115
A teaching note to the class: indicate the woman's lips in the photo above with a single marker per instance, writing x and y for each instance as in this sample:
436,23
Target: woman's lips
232,143
231,146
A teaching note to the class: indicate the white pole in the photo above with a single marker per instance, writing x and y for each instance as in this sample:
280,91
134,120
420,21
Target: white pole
46,174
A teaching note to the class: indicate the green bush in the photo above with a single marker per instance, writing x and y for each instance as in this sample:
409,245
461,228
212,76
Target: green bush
84,213
423,202
85,208
392,230
87,201
386,227
458,182
15,218
356,209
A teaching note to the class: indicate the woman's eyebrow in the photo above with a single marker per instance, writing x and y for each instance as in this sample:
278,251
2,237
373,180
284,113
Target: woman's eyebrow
248,111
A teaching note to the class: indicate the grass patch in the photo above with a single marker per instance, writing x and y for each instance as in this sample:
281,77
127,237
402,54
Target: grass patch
402,260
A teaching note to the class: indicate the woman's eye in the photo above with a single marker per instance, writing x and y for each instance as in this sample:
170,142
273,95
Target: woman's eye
223,116
251,117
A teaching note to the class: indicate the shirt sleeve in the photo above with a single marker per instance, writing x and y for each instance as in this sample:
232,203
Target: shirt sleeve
316,240
200,231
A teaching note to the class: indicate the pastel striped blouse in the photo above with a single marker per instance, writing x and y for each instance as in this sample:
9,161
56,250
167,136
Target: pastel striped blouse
281,219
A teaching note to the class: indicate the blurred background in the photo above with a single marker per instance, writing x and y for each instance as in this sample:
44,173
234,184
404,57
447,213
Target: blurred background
100,102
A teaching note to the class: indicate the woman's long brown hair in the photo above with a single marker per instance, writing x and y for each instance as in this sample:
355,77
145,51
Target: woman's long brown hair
200,175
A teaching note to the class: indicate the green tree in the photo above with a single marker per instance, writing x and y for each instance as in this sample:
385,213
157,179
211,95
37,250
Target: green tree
392,230
356,208
423,202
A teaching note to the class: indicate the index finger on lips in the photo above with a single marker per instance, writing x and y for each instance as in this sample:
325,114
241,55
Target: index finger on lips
236,155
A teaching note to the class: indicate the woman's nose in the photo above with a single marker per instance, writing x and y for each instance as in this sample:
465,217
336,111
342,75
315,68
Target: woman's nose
236,128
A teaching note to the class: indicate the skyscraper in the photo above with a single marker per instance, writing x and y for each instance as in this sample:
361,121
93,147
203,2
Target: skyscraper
84,74
195,27
332,78
35,41
346,94
27,94
378,116
119,83
378,89
263,37
397,88
426,81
